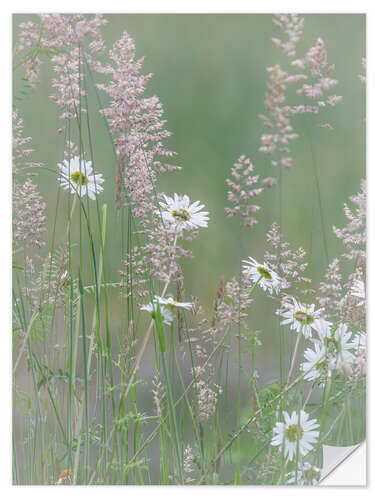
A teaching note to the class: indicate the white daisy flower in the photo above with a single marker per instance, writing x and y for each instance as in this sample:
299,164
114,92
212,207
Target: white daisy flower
357,364
316,362
166,315
171,303
296,429
336,342
269,280
307,474
80,179
323,329
182,214
300,317
339,343
358,290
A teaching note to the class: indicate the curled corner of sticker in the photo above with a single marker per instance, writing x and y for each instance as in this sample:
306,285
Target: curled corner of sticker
344,465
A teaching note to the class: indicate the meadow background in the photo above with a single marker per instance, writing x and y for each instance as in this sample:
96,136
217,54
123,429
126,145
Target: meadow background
210,74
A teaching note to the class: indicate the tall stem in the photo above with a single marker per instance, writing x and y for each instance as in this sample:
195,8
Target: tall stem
294,357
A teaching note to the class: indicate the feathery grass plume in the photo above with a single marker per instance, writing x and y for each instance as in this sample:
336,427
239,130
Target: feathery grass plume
134,278
292,26
58,36
218,300
331,291
158,394
188,464
32,68
207,398
353,235
68,84
20,154
46,284
197,328
315,64
29,225
233,308
316,75
82,41
29,219
363,77
336,292
242,190
137,127
277,111
265,469
158,257
54,280
269,182
353,311
206,392
358,367
277,117
289,264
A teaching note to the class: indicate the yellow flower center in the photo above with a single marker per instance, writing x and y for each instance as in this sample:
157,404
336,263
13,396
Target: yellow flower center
321,367
79,178
66,474
303,317
264,273
332,344
313,473
181,214
291,433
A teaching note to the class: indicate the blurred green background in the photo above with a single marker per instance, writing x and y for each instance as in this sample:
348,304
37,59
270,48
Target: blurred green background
210,74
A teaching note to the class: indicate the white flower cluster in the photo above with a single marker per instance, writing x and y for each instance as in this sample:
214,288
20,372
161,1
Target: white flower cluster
333,347
166,307
80,178
306,474
296,432
181,214
300,317
262,274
